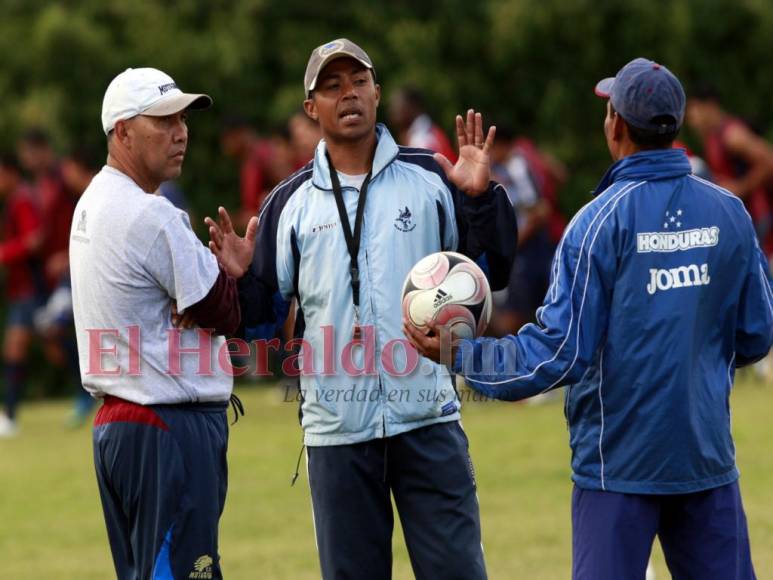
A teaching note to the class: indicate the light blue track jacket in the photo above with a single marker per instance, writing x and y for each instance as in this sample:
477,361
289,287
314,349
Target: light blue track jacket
659,292
411,211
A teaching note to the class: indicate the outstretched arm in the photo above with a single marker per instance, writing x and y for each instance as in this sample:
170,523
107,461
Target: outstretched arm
484,217
252,261
568,337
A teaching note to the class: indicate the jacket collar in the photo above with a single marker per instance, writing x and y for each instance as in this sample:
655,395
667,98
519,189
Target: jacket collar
647,166
386,152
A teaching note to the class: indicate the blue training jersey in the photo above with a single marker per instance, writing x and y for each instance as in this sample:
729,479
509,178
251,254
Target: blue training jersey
659,291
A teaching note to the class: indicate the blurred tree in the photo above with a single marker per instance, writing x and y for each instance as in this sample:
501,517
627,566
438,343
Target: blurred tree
532,62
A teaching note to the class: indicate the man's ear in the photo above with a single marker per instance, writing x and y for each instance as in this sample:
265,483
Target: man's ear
310,107
121,132
378,94
619,128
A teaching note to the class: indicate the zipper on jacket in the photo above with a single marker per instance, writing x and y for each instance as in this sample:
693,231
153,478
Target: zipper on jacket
375,340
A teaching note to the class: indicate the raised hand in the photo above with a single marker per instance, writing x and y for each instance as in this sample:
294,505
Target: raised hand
472,171
233,252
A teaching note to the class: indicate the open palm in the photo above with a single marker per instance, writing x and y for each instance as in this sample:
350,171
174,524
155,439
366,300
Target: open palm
472,171
233,252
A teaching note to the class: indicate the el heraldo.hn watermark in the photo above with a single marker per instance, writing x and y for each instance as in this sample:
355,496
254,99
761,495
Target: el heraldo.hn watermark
119,352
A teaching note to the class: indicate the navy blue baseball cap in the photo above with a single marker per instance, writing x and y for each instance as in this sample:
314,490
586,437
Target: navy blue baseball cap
647,95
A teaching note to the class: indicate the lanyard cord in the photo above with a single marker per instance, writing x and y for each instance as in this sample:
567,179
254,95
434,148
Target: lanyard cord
352,240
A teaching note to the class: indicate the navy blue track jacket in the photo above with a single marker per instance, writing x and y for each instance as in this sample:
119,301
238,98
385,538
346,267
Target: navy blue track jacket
659,292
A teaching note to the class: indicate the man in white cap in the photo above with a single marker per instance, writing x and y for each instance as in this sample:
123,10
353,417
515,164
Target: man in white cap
161,434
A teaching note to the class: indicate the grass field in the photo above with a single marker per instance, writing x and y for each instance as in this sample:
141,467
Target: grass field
51,522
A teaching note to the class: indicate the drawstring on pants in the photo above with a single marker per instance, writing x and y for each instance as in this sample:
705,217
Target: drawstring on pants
238,408
297,465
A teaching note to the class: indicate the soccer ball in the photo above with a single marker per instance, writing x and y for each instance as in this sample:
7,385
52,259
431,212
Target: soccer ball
450,289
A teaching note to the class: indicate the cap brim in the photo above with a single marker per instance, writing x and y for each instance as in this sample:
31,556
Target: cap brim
177,103
330,58
604,87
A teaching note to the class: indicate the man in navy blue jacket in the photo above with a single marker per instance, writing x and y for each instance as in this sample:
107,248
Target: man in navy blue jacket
659,291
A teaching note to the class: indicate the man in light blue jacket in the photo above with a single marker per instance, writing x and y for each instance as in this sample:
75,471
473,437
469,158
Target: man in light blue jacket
659,292
340,236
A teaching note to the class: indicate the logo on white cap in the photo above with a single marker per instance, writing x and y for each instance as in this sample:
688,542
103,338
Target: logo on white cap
145,91
167,87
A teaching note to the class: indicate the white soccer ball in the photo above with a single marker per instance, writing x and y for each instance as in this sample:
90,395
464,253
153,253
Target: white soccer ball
451,290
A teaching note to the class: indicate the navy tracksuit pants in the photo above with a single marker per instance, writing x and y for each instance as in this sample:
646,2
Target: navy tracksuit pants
703,535
162,478
429,473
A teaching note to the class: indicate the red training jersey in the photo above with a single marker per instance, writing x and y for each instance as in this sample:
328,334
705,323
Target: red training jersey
21,225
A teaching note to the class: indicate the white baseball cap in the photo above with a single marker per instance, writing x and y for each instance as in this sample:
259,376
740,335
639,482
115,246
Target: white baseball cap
146,91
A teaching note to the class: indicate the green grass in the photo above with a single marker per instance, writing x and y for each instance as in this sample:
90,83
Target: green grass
51,522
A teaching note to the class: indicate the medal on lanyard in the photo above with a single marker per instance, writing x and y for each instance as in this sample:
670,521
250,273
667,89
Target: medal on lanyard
352,239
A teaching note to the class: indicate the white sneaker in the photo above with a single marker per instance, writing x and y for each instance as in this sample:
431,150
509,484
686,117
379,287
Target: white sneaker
8,427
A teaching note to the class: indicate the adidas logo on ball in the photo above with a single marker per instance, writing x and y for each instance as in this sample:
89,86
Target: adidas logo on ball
441,298
449,289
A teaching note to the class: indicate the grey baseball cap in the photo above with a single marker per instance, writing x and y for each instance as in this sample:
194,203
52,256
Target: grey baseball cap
322,55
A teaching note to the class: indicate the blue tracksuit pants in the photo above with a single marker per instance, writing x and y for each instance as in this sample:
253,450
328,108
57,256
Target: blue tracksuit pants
162,478
703,535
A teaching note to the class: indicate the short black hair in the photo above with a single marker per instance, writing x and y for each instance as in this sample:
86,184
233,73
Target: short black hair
280,129
648,139
234,122
413,96
85,158
505,130
301,112
705,92
10,161
36,136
